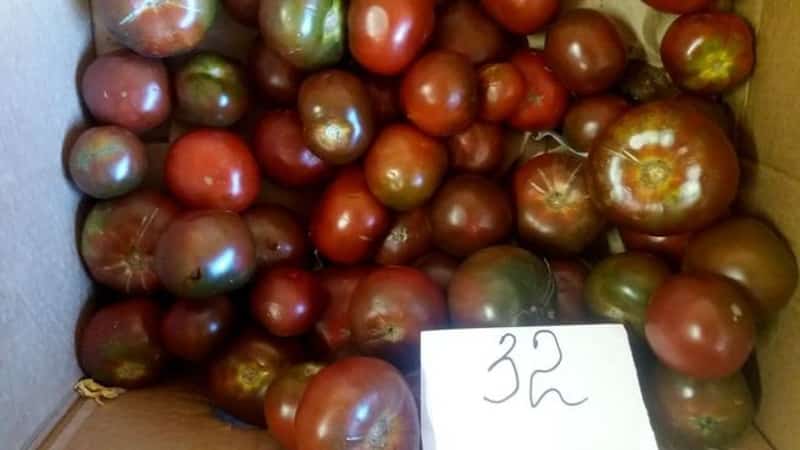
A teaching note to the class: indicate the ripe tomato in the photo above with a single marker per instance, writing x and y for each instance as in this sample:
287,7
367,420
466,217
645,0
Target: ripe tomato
439,266
283,399
751,253
545,99
390,308
410,237
194,329
673,246
554,209
709,53
502,88
586,51
522,16
440,93
357,399
717,111
386,35
464,28
701,325
589,118
680,6
570,276
663,169
205,253
478,149
211,91
385,101
276,80
287,301
279,236
244,11
120,345
349,221
469,213
332,332
106,162
213,169
404,167
119,240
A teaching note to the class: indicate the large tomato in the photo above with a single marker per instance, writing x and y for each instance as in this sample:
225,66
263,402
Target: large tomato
332,333
107,162
588,119
411,236
570,276
545,98
478,149
282,400
287,301
464,28
502,88
279,236
663,169
680,6
522,16
194,329
211,91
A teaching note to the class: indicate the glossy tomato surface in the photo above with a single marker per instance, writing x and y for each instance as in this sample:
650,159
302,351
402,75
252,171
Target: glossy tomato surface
194,329
590,117
349,222
279,236
478,149
386,35
287,301
522,16
464,28
716,110
357,399
701,325
107,162
121,347
211,91
410,237
663,169
680,6
570,276
283,398
244,11
439,266
333,332
502,88
545,98
673,246
275,78
502,286
119,239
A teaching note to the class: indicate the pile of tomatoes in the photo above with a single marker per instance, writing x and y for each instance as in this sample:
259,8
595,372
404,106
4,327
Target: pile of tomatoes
382,167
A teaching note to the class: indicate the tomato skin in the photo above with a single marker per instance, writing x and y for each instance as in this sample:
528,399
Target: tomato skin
464,28
646,171
244,11
680,6
478,149
385,35
502,88
120,345
588,118
545,100
411,236
522,16
384,93
439,266
279,236
211,91
328,416
287,301
701,325
570,277
750,253
283,398
106,162
333,333
349,241
673,246
709,53
193,330
275,79
213,169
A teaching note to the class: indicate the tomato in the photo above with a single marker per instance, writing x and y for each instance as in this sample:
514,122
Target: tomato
502,88
439,266
336,111
157,29
680,6
279,236
440,93
211,91
464,28
478,149
701,325
298,201
332,332
751,253
586,51
287,301
119,240
589,118
570,276
620,287
404,167
360,402
194,329
709,53
107,162
522,16
390,308
276,80
502,286
554,209
673,246
644,83
244,11
386,35
717,111
308,33
125,89
469,213
545,98
281,150
663,169
697,414
385,101
409,238
349,221
205,253
239,378
283,399
120,346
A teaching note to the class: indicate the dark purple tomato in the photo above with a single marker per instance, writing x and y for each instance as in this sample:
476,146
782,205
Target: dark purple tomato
125,89
439,266
338,120
522,16
310,34
545,98
680,6
709,53
478,149
701,325
283,398
588,118
195,329
157,29
673,246
211,91
390,308
570,276
586,50
644,83
717,111
244,11
502,88
107,162
287,301
357,398
276,79
279,236
464,28
120,345
205,253
119,240
502,286
409,238
332,333
385,98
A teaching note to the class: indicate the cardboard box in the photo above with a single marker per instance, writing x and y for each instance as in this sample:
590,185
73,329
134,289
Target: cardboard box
45,44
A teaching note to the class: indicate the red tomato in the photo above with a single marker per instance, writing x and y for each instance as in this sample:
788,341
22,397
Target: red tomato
464,28
283,399
522,16
545,100
588,119
680,6
570,278
386,35
349,221
409,238
502,88
701,325
280,238
479,149
194,329
276,79
332,332
287,301
213,169
673,246
439,266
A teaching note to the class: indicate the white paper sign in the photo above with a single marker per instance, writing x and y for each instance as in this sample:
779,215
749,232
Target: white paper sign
550,388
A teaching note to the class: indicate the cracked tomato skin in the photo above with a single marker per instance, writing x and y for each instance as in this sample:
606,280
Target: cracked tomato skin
545,99
360,403
709,53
